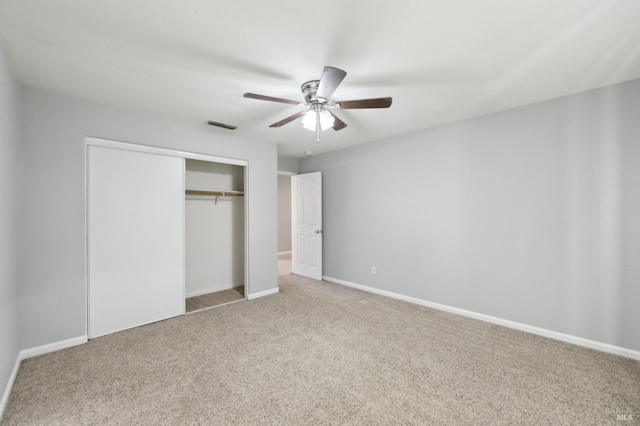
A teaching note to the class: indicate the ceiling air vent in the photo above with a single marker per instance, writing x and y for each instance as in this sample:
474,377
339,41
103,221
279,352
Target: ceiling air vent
224,126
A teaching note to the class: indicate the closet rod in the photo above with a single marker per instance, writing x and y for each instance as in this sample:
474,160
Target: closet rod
215,193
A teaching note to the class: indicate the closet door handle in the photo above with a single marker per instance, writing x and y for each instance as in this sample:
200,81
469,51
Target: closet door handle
318,231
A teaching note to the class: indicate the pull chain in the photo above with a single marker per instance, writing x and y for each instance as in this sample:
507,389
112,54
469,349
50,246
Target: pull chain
317,125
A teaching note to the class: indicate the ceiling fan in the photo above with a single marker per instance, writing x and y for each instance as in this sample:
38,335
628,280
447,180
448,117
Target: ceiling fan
316,94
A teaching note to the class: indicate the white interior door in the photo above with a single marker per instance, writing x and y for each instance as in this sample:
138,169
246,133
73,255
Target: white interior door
136,238
306,225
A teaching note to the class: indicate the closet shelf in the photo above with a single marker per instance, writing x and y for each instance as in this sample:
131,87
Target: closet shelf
215,193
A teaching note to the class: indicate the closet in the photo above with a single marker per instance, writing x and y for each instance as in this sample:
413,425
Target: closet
165,233
214,234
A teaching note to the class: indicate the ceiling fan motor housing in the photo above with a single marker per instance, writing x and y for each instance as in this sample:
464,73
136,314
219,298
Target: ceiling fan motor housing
309,90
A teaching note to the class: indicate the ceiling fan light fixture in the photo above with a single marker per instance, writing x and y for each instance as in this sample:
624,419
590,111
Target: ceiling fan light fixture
309,119
326,119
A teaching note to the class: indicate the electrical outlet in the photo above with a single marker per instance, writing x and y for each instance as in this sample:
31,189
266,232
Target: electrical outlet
373,270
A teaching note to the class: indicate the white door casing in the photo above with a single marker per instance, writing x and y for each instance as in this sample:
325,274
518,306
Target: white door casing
306,225
135,241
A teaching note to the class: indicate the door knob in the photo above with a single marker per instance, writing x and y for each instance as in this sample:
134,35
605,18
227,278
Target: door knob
318,231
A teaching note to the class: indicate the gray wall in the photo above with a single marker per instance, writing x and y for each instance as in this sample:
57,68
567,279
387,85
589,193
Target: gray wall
530,215
288,164
291,165
9,238
53,201
284,213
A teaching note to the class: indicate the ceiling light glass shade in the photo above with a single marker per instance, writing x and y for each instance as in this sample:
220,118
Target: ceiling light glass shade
309,120
326,119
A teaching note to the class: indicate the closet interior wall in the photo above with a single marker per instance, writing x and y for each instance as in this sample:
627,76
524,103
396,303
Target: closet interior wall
214,228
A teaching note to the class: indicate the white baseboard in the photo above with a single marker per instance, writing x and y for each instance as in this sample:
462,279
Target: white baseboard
284,252
7,390
52,347
604,347
29,353
263,293
213,289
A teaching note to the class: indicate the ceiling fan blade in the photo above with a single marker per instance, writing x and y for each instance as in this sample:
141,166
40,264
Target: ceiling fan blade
337,123
289,119
271,99
329,82
366,103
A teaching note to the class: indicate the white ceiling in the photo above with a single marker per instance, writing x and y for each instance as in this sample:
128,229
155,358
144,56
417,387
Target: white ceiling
440,60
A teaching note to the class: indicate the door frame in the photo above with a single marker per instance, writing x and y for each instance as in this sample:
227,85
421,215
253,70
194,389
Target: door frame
289,174
127,146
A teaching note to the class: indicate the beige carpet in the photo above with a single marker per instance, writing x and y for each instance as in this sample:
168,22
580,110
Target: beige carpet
320,353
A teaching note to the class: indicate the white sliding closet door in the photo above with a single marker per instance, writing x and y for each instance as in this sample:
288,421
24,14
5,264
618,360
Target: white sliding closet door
136,238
